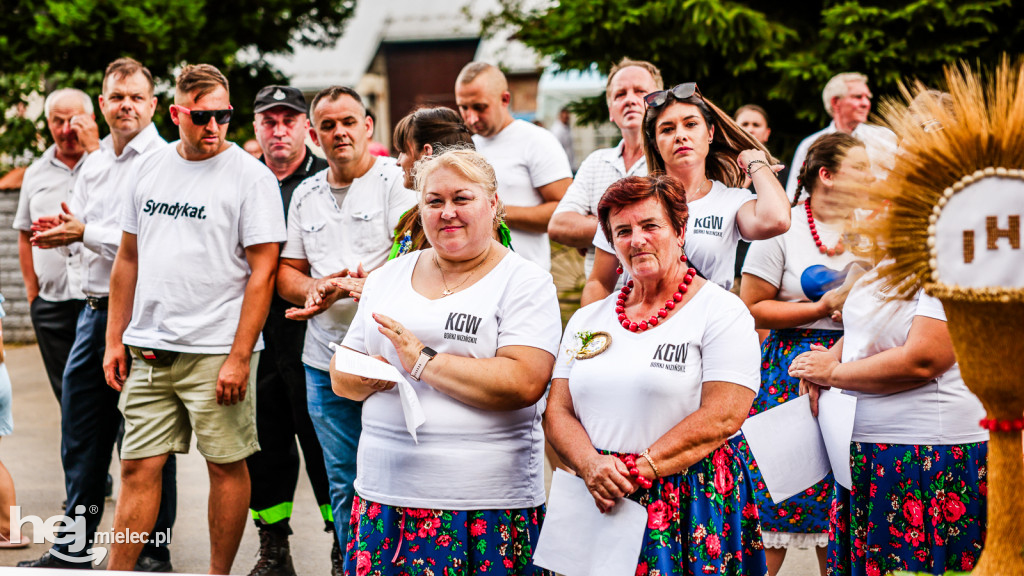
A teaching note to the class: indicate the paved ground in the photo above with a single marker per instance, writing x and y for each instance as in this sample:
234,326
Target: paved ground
32,454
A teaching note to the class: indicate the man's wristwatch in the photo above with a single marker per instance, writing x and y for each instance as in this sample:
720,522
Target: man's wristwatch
426,355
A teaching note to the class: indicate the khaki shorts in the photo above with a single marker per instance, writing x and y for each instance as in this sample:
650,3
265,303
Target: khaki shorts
163,405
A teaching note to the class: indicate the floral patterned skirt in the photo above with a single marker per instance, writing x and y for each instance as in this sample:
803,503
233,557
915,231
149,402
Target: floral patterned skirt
917,508
805,513
702,521
411,541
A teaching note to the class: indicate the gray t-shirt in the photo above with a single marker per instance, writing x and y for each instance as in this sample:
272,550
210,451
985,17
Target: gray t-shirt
339,194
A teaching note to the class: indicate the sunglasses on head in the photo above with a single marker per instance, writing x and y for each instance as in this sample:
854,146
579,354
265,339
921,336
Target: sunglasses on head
202,117
681,91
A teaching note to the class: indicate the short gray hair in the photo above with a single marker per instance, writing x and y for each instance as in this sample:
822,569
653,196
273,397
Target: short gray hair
56,95
838,87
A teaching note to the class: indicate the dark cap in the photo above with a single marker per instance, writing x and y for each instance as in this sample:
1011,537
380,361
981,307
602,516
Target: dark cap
271,96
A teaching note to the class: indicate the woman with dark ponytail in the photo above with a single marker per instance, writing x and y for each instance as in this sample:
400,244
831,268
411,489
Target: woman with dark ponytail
422,133
791,284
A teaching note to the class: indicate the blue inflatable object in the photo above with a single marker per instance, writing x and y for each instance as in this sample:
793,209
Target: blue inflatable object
818,279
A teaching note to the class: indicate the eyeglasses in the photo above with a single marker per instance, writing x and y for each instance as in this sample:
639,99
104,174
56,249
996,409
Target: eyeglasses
681,91
202,117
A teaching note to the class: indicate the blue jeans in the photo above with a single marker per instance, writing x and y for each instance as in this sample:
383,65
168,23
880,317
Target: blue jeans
90,426
338,422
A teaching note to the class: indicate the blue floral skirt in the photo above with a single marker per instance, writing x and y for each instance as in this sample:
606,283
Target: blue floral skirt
703,521
917,508
390,540
805,513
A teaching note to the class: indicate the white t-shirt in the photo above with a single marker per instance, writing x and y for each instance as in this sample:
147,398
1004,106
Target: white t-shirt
792,263
193,221
98,199
332,238
942,411
525,157
712,233
645,383
467,458
46,184
600,170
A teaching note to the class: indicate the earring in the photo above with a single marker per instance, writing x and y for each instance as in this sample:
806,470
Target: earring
682,256
619,270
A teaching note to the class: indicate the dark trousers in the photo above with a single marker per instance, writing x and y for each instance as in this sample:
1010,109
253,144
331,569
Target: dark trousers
54,324
90,426
281,416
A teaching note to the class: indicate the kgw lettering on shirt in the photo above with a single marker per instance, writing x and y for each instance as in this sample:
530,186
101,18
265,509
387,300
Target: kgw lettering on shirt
185,210
671,357
708,225
463,327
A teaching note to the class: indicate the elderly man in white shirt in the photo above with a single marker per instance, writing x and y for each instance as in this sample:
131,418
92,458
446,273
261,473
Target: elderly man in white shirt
340,224
574,222
90,419
51,276
847,100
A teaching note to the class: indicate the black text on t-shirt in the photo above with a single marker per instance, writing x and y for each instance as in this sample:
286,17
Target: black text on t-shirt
708,225
671,357
467,324
185,210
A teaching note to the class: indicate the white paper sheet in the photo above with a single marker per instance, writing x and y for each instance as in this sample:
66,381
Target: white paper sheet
577,540
353,362
787,445
836,412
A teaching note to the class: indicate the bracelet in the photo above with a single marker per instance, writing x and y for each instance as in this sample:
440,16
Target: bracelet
751,174
630,461
646,454
756,161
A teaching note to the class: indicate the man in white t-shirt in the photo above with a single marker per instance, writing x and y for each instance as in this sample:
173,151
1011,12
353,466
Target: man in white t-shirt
51,276
847,100
90,421
341,223
190,290
574,222
532,169
563,132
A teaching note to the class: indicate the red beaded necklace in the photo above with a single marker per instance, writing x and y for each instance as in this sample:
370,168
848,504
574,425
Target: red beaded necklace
839,248
620,304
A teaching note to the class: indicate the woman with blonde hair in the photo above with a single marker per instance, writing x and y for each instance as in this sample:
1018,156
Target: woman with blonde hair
473,327
420,134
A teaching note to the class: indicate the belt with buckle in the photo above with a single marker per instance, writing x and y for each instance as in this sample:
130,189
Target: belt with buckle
97,303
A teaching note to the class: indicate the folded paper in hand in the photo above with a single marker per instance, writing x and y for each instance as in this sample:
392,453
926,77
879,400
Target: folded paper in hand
352,362
794,450
577,540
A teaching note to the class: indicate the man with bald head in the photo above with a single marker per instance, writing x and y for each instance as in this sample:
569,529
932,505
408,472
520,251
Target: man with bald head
51,276
532,168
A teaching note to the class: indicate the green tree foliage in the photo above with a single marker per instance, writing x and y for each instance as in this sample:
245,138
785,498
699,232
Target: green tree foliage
778,54
46,44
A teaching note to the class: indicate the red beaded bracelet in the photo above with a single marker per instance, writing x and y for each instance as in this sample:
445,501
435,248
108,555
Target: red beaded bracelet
630,461
1002,425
